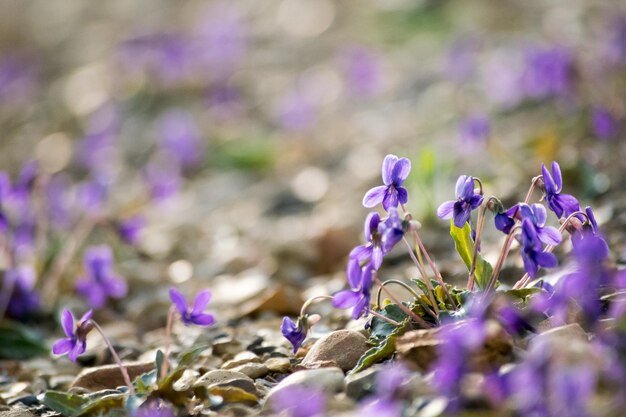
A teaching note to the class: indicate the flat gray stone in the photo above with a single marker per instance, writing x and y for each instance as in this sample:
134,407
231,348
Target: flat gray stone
109,376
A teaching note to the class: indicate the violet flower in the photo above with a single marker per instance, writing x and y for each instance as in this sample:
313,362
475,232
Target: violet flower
358,298
561,204
130,229
76,341
390,231
299,401
154,408
295,332
195,314
505,220
532,253
394,172
5,191
537,215
179,136
100,282
362,71
24,299
474,130
461,208
604,123
548,72
371,250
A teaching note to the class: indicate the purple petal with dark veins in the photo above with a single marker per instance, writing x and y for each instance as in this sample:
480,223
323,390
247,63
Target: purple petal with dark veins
374,196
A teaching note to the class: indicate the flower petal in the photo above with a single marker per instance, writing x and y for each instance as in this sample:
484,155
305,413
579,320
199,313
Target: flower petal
550,236
539,211
361,307
345,299
86,317
445,210
547,260
468,189
67,320
361,252
401,170
461,214
116,287
458,188
387,172
371,224
377,257
548,181
76,350
179,301
203,319
374,196
556,174
201,301
353,273
62,346
568,203
403,195
391,199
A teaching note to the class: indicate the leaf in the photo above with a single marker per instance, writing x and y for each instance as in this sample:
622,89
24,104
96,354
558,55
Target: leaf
465,247
382,351
380,328
522,293
132,404
19,342
64,403
188,357
233,394
158,361
109,405
145,383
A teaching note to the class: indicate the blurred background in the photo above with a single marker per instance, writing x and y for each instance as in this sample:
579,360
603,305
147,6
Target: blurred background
229,143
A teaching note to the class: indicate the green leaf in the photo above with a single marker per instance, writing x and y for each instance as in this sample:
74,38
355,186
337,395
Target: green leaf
189,356
64,403
158,361
382,351
521,293
19,342
465,247
380,328
108,405
145,383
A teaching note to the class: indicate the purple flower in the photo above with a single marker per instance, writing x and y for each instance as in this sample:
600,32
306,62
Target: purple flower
358,298
179,136
561,204
532,253
75,343
299,401
395,171
372,250
537,215
5,193
505,221
604,123
474,130
24,299
295,332
195,314
461,208
602,250
362,71
100,282
548,72
154,408
390,231
130,229
163,177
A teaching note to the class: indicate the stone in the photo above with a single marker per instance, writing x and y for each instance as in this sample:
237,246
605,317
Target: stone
242,358
559,334
279,365
109,376
329,380
341,348
362,384
16,413
253,370
227,378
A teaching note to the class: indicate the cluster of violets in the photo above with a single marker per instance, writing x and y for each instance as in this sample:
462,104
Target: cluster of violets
540,384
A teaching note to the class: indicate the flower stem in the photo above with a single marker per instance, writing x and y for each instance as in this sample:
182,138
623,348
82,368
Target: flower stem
422,269
123,370
387,319
404,308
168,342
432,265
409,289
549,248
503,254
533,185
312,300
480,222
